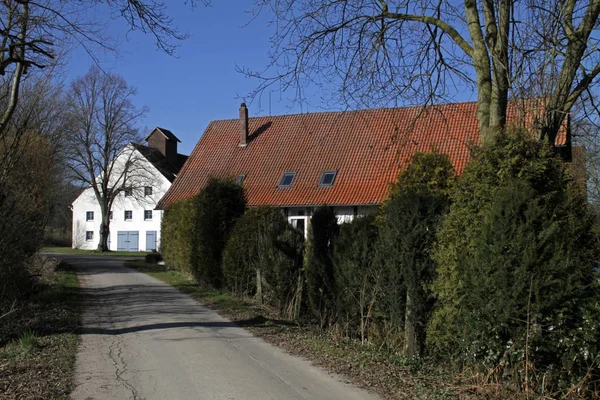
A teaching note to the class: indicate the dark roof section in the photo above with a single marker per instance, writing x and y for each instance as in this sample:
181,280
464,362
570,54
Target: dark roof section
160,162
167,133
367,147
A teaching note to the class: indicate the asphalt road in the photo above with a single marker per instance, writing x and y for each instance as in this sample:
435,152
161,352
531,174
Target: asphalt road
143,339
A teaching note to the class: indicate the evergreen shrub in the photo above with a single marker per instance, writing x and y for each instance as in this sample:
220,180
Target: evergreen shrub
177,229
516,263
357,276
195,231
410,218
319,273
218,206
264,241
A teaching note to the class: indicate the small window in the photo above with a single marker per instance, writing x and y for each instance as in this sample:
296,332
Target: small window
89,216
147,215
240,179
128,192
148,191
327,178
110,215
128,215
89,236
287,179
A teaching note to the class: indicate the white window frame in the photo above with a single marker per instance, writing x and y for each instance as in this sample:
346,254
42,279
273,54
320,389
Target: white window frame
88,214
148,189
151,215
125,215
90,237
293,221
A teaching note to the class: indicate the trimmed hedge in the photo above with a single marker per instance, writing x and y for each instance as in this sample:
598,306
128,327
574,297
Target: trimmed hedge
195,231
320,280
516,264
264,244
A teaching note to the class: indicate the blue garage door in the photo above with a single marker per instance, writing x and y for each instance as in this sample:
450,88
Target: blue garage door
128,241
150,240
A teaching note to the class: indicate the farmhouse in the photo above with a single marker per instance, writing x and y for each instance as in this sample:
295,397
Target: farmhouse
134,222
346,160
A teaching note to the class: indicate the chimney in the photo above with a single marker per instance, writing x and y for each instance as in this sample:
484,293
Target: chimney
243,125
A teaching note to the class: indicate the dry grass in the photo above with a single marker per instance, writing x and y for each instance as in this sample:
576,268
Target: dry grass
38,342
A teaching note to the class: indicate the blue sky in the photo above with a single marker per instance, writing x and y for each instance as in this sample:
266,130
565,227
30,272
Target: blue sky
201,84
184,93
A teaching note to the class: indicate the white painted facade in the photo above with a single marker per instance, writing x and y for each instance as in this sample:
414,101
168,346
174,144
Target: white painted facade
138,205
299,217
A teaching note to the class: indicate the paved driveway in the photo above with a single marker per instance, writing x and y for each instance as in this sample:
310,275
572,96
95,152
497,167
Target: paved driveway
143,339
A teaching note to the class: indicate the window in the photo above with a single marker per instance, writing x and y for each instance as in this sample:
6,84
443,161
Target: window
287,179
147,190
128,192
89,216
110,215
327,178
147,215
240,179
128,215
89,236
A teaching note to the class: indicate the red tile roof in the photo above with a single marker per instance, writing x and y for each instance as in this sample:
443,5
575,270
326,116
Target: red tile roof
367,147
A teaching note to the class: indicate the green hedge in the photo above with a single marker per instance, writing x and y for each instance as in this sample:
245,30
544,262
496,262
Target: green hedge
320,280
195,231
516,264
357,276
177,230
263,241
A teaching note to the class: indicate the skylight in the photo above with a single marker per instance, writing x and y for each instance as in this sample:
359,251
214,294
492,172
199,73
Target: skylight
240,179
287,179
327,178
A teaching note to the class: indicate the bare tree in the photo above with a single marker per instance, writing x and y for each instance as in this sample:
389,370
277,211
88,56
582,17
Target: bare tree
33,34
100,141
381,52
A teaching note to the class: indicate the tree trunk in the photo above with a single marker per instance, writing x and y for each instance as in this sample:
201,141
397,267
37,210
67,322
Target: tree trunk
104,229
259,294
410,336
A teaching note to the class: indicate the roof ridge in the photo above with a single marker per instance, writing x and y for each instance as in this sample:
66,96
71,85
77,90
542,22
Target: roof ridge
350,111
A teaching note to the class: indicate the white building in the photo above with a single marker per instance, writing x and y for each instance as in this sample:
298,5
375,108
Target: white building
134,222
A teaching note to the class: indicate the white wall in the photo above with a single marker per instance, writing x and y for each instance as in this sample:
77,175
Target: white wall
301,215
137,204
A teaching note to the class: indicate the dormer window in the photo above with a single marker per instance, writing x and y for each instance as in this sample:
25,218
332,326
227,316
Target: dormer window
327,178
287,179
240,179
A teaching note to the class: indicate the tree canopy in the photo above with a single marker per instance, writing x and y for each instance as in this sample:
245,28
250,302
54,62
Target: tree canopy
422,52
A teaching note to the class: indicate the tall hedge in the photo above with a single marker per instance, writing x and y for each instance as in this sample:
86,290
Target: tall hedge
264,242
516,264
410,218
195,231
177,229
357,276
320,279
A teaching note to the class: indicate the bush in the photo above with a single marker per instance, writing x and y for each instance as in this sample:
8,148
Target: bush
178,227
357,277
195,231
516,259
319,265
218,206
26,197
409,221
153,258
262,240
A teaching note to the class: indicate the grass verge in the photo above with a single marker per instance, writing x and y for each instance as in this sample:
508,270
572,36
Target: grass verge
390,375
69,250
38,343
